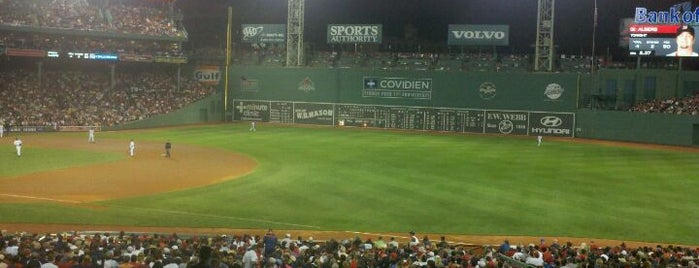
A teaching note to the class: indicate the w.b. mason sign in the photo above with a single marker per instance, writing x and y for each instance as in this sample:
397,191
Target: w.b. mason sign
478,35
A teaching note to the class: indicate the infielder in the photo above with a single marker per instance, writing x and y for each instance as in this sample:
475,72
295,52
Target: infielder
91,135
168,147
539,139
132,148
18,146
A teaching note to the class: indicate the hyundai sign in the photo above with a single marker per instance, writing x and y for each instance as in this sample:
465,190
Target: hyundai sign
478,35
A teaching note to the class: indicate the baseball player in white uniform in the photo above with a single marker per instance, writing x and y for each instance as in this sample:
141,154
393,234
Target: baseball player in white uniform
539,139
18,146
132,148
2,130
252,126
91,135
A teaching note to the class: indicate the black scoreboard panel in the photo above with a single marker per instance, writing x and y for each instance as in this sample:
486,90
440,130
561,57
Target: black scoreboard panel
456,120
361,115
404,117
415,118
281,112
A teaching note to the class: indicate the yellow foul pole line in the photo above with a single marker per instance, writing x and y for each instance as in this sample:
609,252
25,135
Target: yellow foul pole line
228,59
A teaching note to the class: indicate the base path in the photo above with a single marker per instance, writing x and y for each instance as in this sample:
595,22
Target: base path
148,172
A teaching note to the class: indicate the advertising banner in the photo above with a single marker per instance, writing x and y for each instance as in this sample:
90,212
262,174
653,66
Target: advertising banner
314,113
263,33
251,110
354,33
135,57
165,59
551,124
18,52
397,87
207,74
478,35
506,122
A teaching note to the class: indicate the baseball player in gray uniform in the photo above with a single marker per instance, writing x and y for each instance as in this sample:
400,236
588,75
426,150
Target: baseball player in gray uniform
91,135
132,148
18,146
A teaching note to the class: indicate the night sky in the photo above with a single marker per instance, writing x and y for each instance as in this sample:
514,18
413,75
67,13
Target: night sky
206,19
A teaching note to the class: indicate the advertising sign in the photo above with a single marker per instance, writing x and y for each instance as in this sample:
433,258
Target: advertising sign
551,124
397,87
478,35
506,122
263,33
251,110
207,74
314,113
354,33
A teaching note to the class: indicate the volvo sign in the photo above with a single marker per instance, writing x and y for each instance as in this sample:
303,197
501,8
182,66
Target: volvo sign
478,35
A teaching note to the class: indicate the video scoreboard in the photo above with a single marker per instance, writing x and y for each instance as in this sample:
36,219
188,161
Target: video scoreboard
654,39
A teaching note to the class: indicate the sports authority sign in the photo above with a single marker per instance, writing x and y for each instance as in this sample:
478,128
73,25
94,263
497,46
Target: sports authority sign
354,33
478,35
263,33
397,88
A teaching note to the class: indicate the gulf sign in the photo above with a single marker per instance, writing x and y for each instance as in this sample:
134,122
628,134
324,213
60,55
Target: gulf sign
207,74
478,35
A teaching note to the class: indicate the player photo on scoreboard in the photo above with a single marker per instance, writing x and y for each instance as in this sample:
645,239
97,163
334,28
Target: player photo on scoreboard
685,42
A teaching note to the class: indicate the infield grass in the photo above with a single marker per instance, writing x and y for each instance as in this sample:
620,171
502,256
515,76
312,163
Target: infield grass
370,180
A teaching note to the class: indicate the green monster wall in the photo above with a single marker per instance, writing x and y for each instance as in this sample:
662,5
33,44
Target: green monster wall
478,90
484,96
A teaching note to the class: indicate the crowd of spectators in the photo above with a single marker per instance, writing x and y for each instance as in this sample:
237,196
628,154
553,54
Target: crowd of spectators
150,18
687,105
151,250
592,255
79,98
65,44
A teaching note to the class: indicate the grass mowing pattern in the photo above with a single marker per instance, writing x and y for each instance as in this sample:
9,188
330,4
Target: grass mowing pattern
381,181
42,159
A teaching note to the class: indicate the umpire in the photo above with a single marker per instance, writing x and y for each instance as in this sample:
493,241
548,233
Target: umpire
168,147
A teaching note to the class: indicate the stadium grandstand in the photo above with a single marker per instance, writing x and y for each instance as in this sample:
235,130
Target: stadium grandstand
116,63
231,250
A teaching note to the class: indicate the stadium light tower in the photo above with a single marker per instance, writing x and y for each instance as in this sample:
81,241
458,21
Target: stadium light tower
544,50
294,33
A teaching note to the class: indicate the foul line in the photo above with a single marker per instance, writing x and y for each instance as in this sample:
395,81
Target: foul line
41,198
219,216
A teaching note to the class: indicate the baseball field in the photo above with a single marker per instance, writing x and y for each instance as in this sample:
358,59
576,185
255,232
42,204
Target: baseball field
337,181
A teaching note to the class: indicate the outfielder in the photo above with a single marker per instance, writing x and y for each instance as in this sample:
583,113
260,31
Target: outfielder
252,126
132,148
91,135
539,139
18,146
2,130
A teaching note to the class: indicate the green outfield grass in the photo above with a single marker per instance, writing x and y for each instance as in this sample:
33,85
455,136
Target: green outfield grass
354,179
